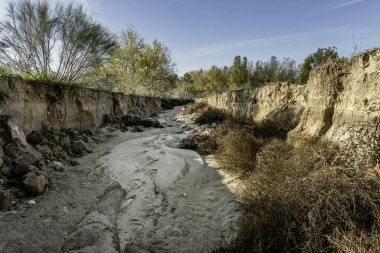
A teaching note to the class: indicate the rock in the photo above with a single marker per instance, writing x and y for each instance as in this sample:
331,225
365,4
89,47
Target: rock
137,129
13,182
6,172
56,149
22,155
36,138
45,150
164,123
16,133
107,119
89,132
137,120
66,142
58,166
85,139
179,131
6,199
1,155
188,143
35,184
31,202
22,169
73,134
79,148
185,194
74,163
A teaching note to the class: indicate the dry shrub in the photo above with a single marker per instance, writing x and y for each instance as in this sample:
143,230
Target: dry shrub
298,199
197,107
278,161
207,142
209,116
272,129
237,151
266,129
301,214
354,242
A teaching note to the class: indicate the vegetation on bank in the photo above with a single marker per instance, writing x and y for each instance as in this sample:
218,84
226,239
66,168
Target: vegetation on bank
244,73
63,45
296,199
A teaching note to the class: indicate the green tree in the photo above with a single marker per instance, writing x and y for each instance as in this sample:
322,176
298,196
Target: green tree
258,74
216,79
321,56
137,67
238,72
60,44
157,68
287,71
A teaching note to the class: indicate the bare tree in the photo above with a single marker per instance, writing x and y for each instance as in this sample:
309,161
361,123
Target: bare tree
60,43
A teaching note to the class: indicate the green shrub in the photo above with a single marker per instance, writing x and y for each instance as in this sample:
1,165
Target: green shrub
3,70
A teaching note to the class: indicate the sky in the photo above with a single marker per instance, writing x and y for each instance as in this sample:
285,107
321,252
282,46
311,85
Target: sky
202,33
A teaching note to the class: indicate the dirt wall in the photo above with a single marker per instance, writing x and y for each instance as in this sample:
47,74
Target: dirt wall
33,106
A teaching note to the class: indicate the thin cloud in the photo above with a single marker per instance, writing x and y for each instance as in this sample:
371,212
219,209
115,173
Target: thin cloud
228,46
344,4
217,48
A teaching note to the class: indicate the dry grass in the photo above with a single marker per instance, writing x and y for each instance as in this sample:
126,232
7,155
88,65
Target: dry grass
198,107
237,151
209,116
298,199
356,242
204,114
207,142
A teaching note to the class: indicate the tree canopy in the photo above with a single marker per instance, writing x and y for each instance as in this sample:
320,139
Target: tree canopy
321,56
138,67
60,43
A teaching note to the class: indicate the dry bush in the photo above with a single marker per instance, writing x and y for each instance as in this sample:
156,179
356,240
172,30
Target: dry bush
209,116
265,129
356,242
198,107
278,161
207,142
304,215
237,151
298,199
203,141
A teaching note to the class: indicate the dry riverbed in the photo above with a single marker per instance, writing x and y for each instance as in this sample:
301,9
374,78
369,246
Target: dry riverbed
136,193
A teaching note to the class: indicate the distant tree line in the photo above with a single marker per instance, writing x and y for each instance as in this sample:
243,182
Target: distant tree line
244,73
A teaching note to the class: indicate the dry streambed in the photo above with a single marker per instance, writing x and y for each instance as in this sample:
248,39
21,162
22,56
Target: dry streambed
137,193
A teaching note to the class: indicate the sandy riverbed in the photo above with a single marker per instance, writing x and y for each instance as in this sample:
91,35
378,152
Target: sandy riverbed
136,193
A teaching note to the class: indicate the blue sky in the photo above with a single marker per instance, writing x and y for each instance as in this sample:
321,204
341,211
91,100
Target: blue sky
201,33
